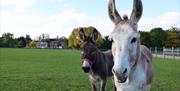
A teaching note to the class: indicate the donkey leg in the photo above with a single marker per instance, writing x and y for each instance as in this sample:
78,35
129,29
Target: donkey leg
94,86
115,89
94,83
103,85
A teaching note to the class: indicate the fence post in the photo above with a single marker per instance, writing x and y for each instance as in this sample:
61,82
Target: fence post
173,53
164,52
156,51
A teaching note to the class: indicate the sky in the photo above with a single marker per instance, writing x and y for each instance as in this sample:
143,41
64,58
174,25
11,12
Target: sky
60,17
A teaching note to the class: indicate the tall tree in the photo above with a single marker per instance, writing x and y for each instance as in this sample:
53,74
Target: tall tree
107,43
32,44
173,37
28,40
145,38
21,42
158,37
176,29
7,40
74,40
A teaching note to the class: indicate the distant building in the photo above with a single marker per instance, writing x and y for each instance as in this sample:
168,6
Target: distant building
58,44
42,45
53,43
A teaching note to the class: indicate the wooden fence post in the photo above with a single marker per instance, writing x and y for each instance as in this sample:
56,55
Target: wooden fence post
156,51
164,52
172,50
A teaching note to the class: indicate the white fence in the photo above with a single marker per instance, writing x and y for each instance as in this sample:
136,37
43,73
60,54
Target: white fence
173,53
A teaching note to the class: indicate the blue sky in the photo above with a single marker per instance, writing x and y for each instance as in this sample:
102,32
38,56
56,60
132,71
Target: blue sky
60,17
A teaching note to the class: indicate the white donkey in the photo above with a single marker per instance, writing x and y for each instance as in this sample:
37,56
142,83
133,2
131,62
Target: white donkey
132,62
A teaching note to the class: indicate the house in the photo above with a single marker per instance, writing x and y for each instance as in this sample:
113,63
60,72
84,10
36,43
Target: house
42,45
53,43
58,44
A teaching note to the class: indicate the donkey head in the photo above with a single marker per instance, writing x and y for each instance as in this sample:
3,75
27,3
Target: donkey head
125,38
88,49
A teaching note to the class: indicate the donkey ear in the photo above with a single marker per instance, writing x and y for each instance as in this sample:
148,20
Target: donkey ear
82,34
137,11
113,13
94,35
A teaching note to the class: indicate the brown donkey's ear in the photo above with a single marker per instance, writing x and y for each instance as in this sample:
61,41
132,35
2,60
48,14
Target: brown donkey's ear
82,34
94,35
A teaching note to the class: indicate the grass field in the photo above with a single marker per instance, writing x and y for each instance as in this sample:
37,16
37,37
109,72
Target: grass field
60,70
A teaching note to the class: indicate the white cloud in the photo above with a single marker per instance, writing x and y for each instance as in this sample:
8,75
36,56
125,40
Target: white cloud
16,2
165,21
60,24
64,22
19,24
16,5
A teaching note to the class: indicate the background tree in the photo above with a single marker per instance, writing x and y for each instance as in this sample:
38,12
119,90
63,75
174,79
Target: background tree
173,38
7,40
106,43
47,39
20,42
145,38
33,44
175,29
28,40
74,40
158,37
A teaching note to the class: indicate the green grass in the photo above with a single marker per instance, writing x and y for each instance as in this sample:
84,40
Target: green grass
60,70
166,75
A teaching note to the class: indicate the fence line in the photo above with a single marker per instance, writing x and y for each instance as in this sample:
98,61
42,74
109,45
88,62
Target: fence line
173,53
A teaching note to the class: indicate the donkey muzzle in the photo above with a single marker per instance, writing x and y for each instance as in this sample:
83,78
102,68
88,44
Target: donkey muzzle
86,69
86,66
121,77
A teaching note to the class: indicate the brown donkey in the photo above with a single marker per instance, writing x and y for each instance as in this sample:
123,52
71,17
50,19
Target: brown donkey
98,64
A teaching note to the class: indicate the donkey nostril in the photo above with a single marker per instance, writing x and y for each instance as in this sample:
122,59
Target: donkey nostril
125,71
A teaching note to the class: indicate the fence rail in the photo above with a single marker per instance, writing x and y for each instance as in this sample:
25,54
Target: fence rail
173,53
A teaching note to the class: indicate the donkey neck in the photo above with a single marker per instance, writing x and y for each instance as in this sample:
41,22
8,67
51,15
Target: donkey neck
97,60
138,73
98,66
137,58
137,66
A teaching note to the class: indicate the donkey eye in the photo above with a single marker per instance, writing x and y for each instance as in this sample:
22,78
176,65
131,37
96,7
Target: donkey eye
133,40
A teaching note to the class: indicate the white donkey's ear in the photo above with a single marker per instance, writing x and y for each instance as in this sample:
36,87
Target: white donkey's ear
113,13
137,11
82,34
